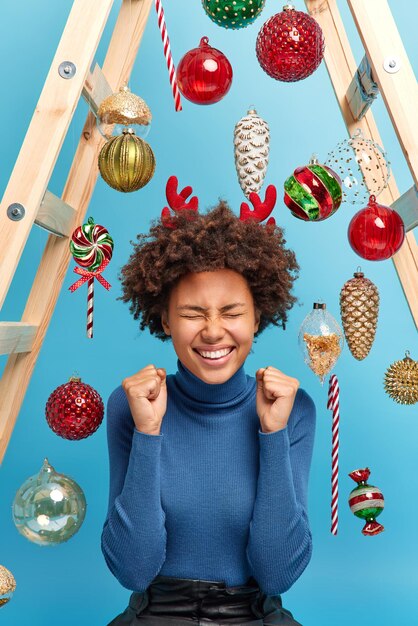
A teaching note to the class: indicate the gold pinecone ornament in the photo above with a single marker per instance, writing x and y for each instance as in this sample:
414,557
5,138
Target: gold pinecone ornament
7,585
401,380
359,305
126,162
251,147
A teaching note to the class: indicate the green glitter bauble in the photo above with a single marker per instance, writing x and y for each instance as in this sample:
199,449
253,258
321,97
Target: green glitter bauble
233,13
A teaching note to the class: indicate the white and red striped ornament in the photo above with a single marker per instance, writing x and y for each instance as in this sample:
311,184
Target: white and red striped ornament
167,54
366,502
334,406
92,248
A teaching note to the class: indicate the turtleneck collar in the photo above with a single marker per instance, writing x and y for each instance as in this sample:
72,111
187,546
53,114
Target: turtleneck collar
218,394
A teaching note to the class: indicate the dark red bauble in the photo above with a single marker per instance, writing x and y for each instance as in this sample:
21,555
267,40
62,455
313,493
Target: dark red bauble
74,410
376,232
204,74
290,45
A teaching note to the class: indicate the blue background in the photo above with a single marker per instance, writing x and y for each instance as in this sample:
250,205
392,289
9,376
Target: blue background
351,578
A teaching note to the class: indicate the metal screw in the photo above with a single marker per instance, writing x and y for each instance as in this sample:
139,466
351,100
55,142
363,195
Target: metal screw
67,69
392,64
16,211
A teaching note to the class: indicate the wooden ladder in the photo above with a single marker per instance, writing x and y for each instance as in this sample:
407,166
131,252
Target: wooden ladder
26,199
382,43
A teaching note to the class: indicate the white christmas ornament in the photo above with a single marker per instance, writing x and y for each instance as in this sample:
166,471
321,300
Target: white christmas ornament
251,147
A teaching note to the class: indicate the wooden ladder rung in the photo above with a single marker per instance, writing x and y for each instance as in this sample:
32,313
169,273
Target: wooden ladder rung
16,337
55,216
407,207
362,91
96,89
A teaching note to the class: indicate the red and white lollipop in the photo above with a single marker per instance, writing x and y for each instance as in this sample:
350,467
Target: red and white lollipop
92,248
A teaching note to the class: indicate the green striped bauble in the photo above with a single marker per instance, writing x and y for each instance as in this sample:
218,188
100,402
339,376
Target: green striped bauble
313,192
233,13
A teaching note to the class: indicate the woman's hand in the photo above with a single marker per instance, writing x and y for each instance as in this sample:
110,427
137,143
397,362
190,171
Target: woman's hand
147,397
275,397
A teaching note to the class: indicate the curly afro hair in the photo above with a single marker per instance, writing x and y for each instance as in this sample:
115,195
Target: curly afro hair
209,242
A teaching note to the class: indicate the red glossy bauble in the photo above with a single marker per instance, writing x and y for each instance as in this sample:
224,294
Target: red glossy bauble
204,74
74,410
290,45
376,232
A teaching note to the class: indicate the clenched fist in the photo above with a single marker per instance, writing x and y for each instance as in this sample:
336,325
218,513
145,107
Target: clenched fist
276,394
147,397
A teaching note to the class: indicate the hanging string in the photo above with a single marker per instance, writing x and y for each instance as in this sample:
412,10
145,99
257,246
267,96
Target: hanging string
168,55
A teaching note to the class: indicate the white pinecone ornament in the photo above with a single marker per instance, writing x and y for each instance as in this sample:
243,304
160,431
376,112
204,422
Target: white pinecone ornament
251,147
359,304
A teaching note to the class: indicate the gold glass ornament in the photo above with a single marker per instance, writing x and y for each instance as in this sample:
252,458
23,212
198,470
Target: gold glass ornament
401,380
121,110
321,340
359,305
7,585
126,162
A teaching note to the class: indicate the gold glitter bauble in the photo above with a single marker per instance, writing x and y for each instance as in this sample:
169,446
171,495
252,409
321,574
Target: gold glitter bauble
7,585
401,380
124,107
359,305
126,162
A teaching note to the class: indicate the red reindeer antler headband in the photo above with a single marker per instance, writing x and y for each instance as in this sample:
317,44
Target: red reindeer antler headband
177,202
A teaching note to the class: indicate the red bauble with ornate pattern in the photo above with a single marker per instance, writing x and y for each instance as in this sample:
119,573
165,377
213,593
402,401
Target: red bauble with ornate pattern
74,410
204,74
290,45
376,232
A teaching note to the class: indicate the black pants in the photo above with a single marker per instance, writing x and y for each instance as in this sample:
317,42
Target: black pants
170,601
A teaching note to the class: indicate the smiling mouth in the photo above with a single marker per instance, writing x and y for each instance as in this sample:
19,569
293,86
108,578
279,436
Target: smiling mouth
214,355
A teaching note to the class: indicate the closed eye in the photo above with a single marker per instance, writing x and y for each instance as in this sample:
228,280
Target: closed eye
192,317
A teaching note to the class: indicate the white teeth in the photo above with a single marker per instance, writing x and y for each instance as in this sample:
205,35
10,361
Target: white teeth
215,355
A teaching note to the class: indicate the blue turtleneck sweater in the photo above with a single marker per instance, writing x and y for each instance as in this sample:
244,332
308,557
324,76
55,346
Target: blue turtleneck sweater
211,497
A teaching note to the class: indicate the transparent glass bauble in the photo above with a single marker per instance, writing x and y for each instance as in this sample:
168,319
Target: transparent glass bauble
363,167
321,340
49,507
124,110
113,130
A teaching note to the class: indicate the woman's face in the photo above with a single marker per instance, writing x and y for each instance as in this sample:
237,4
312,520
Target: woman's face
212,320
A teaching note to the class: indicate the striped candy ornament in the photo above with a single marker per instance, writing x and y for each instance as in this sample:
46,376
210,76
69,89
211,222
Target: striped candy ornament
92,248
334,405
366,502
167,54
313,192
90,245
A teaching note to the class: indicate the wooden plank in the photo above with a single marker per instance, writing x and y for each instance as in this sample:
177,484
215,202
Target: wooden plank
78,190
407,207
382,41
16,337
47,130
341,68
96,89
55,216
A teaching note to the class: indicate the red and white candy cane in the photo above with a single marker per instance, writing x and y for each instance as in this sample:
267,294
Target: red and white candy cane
334,405
88,275
168,55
